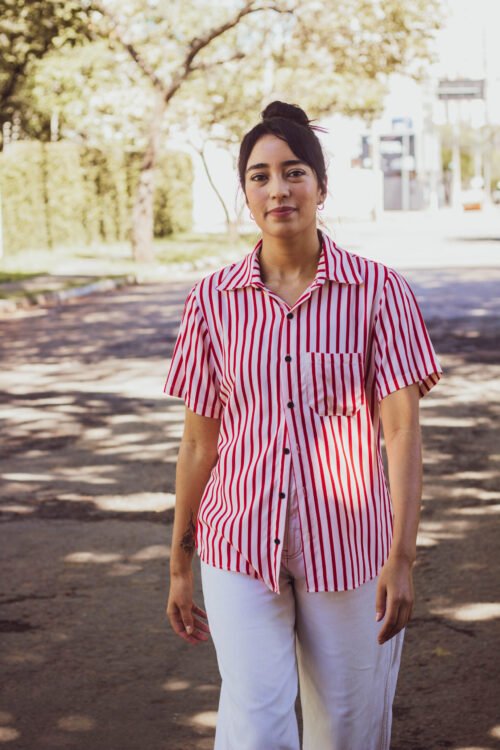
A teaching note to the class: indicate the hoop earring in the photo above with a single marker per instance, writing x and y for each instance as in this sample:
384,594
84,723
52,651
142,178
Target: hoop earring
321,207
252,216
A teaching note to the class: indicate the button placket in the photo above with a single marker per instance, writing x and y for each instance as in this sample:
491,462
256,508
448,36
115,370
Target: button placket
290,404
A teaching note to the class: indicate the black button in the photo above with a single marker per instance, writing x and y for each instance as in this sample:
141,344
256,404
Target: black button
282,494
289,316
290,404
276,541
287,451
288,358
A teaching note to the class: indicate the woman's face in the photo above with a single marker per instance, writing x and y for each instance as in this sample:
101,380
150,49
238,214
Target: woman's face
276,178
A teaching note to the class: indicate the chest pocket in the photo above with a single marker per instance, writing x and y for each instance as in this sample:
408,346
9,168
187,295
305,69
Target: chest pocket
335,382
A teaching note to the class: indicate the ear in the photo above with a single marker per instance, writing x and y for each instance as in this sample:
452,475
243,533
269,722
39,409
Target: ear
322,195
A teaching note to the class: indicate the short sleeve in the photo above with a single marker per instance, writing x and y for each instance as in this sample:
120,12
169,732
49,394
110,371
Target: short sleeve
403,350
192,374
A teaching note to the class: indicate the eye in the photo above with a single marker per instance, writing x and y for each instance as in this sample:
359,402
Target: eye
254,176
296,173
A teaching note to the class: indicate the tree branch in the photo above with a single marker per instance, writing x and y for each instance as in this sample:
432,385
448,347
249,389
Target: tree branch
209,65
196,45
134,53
201,152
199,43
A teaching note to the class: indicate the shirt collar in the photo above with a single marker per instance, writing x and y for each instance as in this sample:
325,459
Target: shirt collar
334,264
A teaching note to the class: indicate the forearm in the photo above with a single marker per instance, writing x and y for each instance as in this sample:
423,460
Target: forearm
404,455
194,465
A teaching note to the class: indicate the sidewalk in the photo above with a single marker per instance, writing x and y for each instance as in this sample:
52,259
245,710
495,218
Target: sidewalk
446,239
411,239
54,289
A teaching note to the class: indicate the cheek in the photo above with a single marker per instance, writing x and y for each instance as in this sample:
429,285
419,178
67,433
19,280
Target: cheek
253,195
309,194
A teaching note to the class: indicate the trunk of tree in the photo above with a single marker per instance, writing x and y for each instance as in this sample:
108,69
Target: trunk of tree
143,211
142,217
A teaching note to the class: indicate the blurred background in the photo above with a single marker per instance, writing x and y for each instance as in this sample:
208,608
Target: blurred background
120,123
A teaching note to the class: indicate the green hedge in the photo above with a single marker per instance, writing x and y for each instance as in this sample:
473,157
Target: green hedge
61,193
22,189
64,194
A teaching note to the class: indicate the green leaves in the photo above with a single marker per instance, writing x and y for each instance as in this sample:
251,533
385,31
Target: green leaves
328,55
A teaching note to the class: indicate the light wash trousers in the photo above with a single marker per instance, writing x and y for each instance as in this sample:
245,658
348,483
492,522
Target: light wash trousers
266,642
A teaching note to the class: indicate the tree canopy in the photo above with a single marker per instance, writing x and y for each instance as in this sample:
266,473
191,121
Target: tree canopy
132,71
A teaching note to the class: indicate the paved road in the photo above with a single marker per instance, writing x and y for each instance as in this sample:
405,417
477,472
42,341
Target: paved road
89,449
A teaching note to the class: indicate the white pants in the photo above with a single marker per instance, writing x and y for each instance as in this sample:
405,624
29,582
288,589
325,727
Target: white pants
265,642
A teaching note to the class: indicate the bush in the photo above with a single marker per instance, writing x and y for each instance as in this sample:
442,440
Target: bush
65,194
22,185
173,195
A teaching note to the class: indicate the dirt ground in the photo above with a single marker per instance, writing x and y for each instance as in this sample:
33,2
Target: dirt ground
89,445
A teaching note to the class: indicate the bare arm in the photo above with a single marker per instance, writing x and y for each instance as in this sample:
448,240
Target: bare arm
197,456
399,412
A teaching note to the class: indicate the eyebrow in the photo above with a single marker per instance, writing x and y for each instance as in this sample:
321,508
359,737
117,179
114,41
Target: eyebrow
287,163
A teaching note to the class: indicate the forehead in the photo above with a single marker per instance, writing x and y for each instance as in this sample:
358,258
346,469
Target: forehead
271,150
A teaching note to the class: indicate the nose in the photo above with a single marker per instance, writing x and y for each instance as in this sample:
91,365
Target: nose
278,187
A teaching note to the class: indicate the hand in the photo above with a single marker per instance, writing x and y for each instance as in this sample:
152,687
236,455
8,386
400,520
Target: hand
181,610
395,596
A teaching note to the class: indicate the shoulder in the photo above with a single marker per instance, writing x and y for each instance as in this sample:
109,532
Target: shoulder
383,285
204,294
373,273
207,287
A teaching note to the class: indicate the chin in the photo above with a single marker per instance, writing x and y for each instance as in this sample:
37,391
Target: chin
286,229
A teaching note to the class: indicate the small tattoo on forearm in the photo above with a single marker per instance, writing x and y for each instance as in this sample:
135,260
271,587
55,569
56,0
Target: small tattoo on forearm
188,538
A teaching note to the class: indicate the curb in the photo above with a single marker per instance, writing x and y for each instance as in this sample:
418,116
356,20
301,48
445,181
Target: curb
56,298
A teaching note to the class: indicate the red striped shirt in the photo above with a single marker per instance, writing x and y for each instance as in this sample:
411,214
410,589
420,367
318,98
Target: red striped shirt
298,389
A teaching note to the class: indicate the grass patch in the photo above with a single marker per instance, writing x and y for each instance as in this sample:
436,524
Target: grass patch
15,276
116,259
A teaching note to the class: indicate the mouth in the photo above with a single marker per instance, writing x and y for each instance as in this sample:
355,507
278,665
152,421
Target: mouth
282,211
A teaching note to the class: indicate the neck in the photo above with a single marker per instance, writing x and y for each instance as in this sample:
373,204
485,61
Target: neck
289,259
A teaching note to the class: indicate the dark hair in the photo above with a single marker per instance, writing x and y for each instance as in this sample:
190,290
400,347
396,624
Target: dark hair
290,123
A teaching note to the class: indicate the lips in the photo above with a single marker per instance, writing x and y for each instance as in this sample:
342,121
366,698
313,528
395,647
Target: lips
282,211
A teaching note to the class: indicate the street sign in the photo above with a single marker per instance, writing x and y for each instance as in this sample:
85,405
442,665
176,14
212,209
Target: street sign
463,88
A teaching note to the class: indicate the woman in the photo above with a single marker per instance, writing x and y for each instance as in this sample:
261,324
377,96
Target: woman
288,362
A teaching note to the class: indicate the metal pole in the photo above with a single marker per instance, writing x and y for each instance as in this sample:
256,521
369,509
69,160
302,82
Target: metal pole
378,178
405,173
456,167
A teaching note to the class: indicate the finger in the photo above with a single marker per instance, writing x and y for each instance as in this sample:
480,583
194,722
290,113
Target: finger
390,622
199,631
187,618
380,601
400,623
199,611
410,614
178,627
200,625
198,637
177,622
405,614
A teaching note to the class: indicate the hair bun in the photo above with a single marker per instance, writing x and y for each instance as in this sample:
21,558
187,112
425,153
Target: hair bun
287,112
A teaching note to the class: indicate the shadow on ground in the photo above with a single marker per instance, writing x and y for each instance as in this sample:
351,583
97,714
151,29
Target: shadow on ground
89,442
